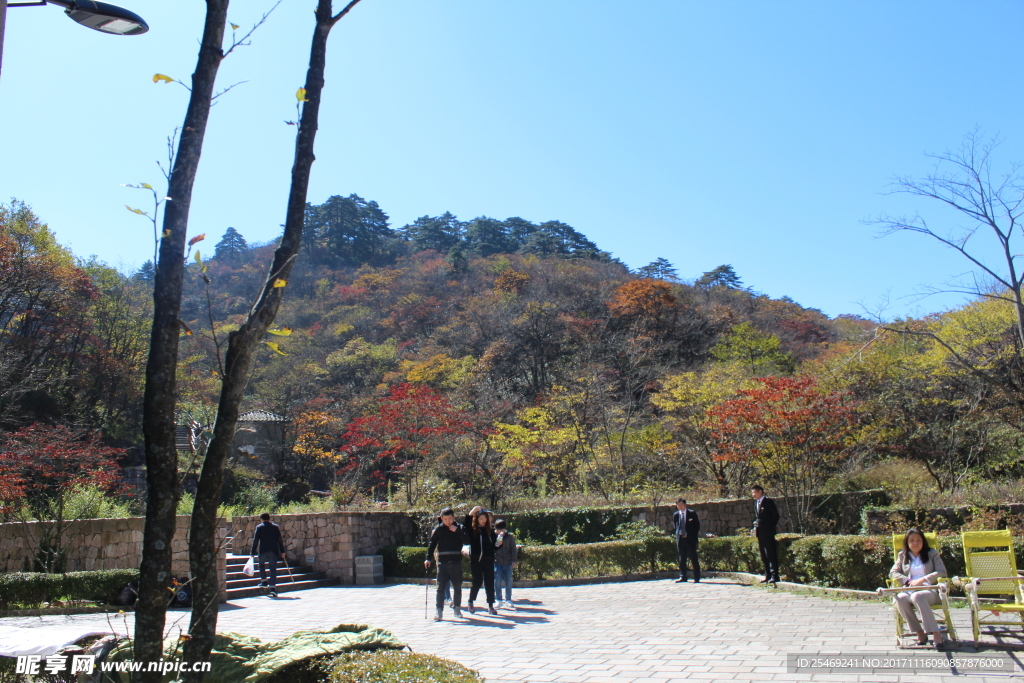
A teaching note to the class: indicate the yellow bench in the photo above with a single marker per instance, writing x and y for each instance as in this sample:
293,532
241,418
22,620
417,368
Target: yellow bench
941,610
992,571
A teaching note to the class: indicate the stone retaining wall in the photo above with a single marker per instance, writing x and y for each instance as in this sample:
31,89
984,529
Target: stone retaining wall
937,519
92,544
725,517
718,517
329,542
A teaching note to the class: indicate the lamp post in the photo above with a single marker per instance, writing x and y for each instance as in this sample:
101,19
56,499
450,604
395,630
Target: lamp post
99,16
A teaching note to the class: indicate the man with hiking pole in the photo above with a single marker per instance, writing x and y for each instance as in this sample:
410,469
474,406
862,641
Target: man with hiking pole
447,540
269,548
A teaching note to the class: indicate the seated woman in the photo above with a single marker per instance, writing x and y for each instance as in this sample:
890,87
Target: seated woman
919,565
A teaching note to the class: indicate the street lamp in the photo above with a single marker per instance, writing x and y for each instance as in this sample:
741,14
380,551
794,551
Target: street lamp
99,16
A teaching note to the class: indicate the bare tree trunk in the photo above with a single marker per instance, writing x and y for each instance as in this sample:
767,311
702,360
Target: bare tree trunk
242,347
161,392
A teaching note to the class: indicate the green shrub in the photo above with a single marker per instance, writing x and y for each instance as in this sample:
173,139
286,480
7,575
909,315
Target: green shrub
390,666
636,531
256,498
375,666
404,561
186,503
91,502
407,562
858,562
32,588
567,527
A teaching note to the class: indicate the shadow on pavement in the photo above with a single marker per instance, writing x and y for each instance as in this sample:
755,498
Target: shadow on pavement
524,606
716,582
224,607
508,622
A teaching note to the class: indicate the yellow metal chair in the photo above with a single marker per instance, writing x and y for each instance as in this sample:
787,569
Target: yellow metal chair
941,610
992,571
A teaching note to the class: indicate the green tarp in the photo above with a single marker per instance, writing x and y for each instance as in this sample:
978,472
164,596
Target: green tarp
245,659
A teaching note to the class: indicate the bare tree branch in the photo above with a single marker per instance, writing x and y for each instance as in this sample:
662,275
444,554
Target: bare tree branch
244,40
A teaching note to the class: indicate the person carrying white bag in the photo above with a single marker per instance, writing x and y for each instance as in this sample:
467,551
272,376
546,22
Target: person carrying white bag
269,547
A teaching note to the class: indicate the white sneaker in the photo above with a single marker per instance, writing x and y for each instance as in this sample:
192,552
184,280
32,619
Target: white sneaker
510,606
449,602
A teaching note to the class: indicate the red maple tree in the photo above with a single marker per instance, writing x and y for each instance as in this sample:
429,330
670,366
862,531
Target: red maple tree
40,467
794,434
407,425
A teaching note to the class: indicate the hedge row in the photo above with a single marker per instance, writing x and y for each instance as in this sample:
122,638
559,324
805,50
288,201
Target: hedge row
568,525
859,562
34,588
596,524
731,553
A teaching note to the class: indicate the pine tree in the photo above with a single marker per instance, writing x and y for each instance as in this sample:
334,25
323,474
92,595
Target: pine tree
146,273
722,276
486,236
232,247
660,269
440,233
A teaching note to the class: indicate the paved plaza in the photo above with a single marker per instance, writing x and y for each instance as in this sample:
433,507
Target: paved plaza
632,632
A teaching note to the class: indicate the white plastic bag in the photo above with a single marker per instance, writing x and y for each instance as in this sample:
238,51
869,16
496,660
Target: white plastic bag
250,568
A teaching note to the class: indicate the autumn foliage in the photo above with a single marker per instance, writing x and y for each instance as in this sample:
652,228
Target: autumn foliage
796,434
506,359
39,464
408,424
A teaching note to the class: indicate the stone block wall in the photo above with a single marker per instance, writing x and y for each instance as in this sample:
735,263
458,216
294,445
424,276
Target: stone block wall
1007,515
718,517
330,542
724,517
93,544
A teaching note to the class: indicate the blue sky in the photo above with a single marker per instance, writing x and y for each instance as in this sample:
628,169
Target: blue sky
756,134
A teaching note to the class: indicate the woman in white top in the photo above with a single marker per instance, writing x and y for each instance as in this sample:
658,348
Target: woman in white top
919,565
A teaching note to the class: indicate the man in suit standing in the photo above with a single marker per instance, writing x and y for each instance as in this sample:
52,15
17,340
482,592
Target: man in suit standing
268,546
687,532
765,523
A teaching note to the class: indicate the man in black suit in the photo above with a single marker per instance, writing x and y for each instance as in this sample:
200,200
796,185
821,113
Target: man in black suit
268,546
765,523
687,533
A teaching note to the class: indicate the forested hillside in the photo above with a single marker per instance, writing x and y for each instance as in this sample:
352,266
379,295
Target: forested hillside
508,358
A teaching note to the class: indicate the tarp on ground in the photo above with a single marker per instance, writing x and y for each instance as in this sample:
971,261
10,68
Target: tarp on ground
238,658
41,640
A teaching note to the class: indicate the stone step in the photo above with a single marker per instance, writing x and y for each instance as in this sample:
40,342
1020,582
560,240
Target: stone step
239,585
236,562
281,588
232,571
249,581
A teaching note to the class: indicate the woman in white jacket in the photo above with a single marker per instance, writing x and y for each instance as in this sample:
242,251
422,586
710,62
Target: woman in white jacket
919,565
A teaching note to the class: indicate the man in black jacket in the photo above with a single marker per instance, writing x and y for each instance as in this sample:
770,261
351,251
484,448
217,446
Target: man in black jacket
765,523
268,546
447,540
687,533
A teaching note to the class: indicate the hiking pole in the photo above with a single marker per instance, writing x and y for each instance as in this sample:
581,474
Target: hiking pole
426,594
291,579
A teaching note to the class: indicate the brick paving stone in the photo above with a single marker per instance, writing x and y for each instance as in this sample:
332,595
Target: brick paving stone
583,634
711,676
